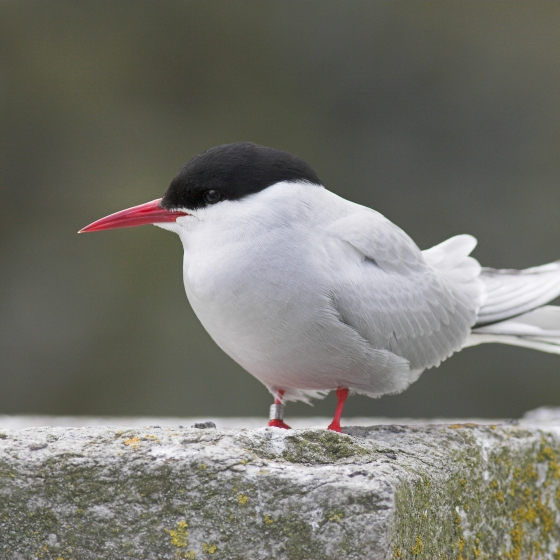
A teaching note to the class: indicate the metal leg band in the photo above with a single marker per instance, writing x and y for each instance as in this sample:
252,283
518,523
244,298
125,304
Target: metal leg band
277,412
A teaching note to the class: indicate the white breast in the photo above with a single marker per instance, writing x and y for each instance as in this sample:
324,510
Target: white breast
259,276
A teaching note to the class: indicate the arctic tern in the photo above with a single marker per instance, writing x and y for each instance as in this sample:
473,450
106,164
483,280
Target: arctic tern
311,293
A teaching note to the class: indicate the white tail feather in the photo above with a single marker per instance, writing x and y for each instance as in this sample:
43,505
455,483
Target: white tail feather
509,293
538,329
511,311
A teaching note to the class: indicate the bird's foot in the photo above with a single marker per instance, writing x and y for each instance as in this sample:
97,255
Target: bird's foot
335,427
341,395
278,424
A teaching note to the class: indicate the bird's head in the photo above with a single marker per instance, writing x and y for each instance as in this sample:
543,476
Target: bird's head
230,172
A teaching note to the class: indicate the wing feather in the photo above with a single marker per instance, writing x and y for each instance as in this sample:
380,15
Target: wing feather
399,300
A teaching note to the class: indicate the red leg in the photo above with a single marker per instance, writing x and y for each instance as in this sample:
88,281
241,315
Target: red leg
341,395
277,412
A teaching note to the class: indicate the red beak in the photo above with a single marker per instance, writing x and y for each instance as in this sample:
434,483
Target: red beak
148,213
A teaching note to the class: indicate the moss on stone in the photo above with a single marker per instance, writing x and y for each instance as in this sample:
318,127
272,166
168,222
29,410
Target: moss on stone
497,501
322,447
464,492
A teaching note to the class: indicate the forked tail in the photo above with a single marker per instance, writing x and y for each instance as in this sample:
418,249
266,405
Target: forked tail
515,311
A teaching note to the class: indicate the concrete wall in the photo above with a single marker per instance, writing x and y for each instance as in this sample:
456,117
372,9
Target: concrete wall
388,491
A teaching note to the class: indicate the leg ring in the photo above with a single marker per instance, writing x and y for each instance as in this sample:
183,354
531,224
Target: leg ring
276,412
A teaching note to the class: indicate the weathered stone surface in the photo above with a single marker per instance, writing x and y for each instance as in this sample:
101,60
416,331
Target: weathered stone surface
455,491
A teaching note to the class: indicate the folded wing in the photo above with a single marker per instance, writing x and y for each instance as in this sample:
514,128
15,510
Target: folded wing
420,307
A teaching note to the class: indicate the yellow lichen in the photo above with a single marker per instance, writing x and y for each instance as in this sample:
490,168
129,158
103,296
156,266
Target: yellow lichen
517,534
546,454
179,535
336,517
531,473
457,521
268,520
242,499
460,546
132,442
554,469
418,547
546,517
209,548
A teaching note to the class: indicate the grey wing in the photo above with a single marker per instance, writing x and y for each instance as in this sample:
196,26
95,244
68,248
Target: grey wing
396,299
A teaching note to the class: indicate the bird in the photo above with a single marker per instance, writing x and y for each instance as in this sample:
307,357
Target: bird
312,293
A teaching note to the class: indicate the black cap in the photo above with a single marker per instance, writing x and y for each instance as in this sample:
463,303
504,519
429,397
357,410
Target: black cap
231,172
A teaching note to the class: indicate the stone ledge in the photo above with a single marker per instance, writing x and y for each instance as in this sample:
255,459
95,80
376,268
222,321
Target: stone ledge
388,491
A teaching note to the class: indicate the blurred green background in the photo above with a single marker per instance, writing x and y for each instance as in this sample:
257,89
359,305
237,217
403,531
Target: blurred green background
444,116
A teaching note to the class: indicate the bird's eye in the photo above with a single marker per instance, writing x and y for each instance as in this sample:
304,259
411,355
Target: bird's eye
212,196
